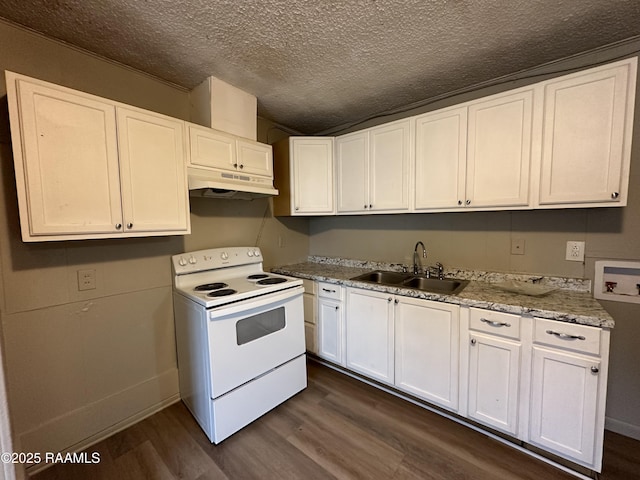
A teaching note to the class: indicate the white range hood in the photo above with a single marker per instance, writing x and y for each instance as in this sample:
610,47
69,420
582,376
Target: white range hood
217,184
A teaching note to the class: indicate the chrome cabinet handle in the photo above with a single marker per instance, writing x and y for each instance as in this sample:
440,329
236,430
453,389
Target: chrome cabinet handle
389,299
118,226
370,206
365,206
337,307
396,301
468,202
473,342
297,208
459,202
615,195
235,165
594,369
129,225
328,290
241,166
566,336
493,323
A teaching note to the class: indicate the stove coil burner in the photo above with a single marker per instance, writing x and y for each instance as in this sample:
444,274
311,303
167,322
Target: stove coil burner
210,286
271,281
257,276
222,293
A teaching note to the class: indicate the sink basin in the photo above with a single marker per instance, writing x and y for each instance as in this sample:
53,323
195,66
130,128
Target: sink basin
384,278
448,286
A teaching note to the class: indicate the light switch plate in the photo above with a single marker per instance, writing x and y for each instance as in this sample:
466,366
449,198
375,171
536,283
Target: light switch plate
517,246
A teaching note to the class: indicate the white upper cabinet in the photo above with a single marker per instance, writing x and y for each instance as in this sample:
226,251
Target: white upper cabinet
389,160
152,171
588,120
87,167
254,158
304,176
441,159
373,168
499,150
210,148
352,172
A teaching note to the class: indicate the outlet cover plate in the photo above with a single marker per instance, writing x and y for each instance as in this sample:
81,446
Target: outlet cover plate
575,251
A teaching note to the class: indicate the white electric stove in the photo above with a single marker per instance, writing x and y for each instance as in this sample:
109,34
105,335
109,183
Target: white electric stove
239,335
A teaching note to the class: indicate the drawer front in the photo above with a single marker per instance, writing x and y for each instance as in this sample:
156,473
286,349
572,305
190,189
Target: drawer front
495,323
580,338
330,290
309,286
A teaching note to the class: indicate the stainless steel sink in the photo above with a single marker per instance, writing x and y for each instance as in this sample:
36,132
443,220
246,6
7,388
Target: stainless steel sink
384,278
448,286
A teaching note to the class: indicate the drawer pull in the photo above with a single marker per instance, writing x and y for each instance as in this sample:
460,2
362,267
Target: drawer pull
493,323
328,290
566,336
595,369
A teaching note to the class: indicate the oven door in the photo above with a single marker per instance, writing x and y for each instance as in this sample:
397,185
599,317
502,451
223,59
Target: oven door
249,338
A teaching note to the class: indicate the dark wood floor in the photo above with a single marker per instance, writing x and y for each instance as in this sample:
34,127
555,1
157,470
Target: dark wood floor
337,428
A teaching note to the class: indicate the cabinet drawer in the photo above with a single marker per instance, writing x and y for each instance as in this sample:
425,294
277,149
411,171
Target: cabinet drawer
495,323
567,335
309,286
329,290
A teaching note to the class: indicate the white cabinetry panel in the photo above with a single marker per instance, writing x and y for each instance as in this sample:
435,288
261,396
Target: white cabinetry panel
499,150
352,172
152,171
370,343
587,136
427,350
312,175
441,159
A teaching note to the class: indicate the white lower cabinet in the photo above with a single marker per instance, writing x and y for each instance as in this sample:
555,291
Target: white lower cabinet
427,350
370,345
331,323
568,390
495,365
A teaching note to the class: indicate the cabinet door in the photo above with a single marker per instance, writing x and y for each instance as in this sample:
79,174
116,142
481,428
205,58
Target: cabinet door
564,396
494,376
255,158
211,149
331,330
352,172
587,135
427,345
152,172
369,325
441,159
389,161
67,175
499,150
312,175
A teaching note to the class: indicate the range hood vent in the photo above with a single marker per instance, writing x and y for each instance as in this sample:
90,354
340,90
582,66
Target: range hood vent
215,184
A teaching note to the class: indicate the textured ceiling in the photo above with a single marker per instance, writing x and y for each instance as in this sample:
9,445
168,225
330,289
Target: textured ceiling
319,64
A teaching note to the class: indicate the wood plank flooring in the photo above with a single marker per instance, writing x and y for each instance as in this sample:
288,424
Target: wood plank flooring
337,428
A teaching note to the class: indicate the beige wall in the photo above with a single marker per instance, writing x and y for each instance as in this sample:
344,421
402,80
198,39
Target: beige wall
81,363
482,241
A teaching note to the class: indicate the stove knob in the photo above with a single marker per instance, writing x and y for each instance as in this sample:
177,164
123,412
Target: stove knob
256,252
224,256
182,262
192,260
250,253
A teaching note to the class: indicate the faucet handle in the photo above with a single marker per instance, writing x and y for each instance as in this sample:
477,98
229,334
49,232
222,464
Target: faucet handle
404,269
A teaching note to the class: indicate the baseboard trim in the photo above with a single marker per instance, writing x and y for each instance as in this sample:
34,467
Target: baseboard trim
623,428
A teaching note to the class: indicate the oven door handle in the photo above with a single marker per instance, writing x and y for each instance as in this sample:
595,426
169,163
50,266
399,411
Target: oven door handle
253,303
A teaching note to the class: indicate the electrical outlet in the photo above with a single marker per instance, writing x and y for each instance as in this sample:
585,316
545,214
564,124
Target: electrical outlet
575,251
87,279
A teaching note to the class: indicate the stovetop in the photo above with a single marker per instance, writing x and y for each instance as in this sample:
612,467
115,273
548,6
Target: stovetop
219,276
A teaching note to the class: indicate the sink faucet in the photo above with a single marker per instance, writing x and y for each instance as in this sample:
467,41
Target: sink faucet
415,257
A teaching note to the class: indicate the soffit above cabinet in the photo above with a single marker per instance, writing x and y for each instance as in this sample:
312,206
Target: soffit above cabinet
316,66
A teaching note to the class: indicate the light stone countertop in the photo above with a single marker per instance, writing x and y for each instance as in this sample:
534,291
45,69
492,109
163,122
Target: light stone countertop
571,302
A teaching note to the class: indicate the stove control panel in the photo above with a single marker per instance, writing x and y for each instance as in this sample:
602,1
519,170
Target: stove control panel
214,258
